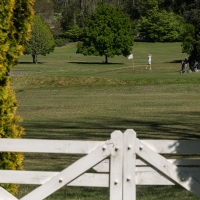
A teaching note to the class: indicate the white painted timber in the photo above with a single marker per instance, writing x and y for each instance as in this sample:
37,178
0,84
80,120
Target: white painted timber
39,178
84,147
173,146
48,146
86,179
91,180
142,175
25,177
129,165
71,172
171,171
116,166
4,195
104,165
149,176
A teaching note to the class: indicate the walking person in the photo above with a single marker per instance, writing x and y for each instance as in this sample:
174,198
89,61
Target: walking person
149,62
184,65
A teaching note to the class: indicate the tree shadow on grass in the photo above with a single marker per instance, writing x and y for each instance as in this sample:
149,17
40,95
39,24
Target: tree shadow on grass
188,174
96,63
31,63
101,128
174,61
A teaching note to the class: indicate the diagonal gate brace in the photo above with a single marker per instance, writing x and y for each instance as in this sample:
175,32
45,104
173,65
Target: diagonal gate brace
164,166
71,172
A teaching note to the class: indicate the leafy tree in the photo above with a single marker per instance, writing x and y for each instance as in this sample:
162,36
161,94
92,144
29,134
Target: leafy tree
15,19
160,26
189,39
143,6
107,33
74,34
191,34
41,41
177,6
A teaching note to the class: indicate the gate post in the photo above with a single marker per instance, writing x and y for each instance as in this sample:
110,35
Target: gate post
129,182
116,166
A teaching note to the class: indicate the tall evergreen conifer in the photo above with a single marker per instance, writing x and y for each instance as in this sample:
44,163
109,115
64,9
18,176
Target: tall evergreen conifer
15,27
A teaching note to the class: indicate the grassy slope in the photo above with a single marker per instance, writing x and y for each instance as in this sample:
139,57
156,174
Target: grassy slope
69,96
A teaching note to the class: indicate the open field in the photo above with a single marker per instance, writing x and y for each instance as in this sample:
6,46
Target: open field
69,96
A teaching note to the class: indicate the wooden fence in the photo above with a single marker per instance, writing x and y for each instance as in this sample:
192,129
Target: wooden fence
127,160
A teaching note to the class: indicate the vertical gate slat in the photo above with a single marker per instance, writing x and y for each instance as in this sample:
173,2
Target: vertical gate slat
129,181
116,166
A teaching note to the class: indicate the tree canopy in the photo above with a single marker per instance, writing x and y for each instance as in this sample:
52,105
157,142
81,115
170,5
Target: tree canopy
107,33
191,34
41,41
161,26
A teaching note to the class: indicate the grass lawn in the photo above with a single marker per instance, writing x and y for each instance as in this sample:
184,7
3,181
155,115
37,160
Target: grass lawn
70,96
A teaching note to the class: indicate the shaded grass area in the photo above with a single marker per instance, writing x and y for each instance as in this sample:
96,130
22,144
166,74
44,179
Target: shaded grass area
69,96
66,114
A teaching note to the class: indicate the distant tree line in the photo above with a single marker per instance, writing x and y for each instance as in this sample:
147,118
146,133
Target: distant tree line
151,20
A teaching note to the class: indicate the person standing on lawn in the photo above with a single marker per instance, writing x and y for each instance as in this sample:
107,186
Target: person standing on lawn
149,62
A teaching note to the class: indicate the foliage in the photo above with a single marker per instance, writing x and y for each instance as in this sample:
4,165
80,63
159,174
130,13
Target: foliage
188,42
73,13
144,6
160,26
41,41
177,6
71,16
44,8
74,34
59,42
15,27
107,33
191,37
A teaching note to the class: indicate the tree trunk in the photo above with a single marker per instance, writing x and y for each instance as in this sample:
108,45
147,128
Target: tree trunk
74,18
34,58
106,59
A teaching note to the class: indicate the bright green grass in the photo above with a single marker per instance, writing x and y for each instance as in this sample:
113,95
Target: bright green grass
69,96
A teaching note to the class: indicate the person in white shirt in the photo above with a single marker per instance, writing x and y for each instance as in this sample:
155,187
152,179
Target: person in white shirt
149,62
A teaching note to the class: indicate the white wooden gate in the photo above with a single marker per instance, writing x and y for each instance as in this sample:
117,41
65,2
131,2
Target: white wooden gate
116,156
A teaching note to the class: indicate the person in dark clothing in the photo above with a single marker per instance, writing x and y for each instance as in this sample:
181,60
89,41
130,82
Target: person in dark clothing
194,67
184,65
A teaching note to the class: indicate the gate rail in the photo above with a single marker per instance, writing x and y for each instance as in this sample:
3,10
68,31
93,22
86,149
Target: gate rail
127,160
